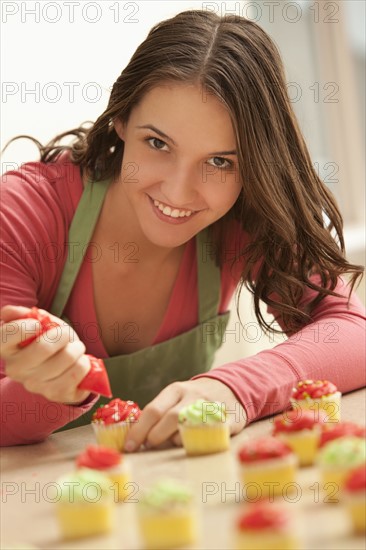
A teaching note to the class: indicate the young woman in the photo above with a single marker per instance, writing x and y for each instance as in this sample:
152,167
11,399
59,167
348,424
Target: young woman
195,181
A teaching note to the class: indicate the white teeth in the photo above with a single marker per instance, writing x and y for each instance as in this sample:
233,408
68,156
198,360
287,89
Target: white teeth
173,213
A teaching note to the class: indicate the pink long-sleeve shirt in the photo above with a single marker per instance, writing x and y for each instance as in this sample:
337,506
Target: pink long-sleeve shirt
38,202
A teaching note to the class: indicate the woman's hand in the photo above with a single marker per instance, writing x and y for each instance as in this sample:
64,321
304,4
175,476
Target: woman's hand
158,422
52,365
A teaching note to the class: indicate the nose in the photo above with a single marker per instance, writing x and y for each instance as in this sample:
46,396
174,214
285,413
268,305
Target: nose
181,186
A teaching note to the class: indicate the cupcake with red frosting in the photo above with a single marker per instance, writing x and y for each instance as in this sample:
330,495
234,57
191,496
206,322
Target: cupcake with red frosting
301,431
109,462
265,526
354,496
318,395
112,421
268,465
342,429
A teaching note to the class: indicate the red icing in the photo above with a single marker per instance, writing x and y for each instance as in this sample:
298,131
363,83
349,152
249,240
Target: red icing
294,421
98,458
356,481
341,429
96,380
313,389
45,321
117,411
263,517
262,449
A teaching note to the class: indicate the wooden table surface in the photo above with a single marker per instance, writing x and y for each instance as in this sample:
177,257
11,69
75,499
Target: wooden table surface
28,475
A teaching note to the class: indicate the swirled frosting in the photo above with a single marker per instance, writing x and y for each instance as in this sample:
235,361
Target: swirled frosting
83,486
117,411
165,494
263,448
98,458
294,421
356,481
310,389
262,516
202,412
346,451
341,429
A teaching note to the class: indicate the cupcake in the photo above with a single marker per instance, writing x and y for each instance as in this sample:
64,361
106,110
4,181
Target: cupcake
336,459
354,496
318,395
268,468
166,516
342,429
301,431
204,428
86,505
265,527
110,463
112,421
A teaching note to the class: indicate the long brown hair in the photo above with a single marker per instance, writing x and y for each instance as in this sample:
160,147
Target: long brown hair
283,204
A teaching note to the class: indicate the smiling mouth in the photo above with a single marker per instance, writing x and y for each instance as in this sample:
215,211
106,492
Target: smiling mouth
172,212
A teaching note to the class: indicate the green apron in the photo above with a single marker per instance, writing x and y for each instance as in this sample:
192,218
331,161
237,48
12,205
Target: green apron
141,375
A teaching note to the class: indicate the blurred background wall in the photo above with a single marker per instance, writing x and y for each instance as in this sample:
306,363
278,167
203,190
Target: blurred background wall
59,60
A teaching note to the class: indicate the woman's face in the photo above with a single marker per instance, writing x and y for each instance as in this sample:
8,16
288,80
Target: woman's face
180,170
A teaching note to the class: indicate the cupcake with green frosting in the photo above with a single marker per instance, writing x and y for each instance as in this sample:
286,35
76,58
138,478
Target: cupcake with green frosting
166,515
336,459
86,504
204,427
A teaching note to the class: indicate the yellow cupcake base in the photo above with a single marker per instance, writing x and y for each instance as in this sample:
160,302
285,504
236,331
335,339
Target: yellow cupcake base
112,435
266,541
303,443
357,511
83,520
269,478
205,439
331,405
170,530
332,483
118,486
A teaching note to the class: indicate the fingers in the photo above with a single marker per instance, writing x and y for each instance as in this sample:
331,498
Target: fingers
176,439
13,332
52,367
22,363
63,388
159,420
166,427
53,364
151,417
9,313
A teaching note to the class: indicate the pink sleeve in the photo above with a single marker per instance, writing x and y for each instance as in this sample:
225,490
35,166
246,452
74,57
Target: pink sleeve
332,347
33,235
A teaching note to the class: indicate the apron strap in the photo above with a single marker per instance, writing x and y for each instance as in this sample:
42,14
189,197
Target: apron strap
80,233
209,277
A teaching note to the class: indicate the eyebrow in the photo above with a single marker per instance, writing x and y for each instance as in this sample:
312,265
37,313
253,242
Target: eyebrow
165,136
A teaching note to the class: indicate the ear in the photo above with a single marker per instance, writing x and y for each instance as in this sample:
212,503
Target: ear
119,127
